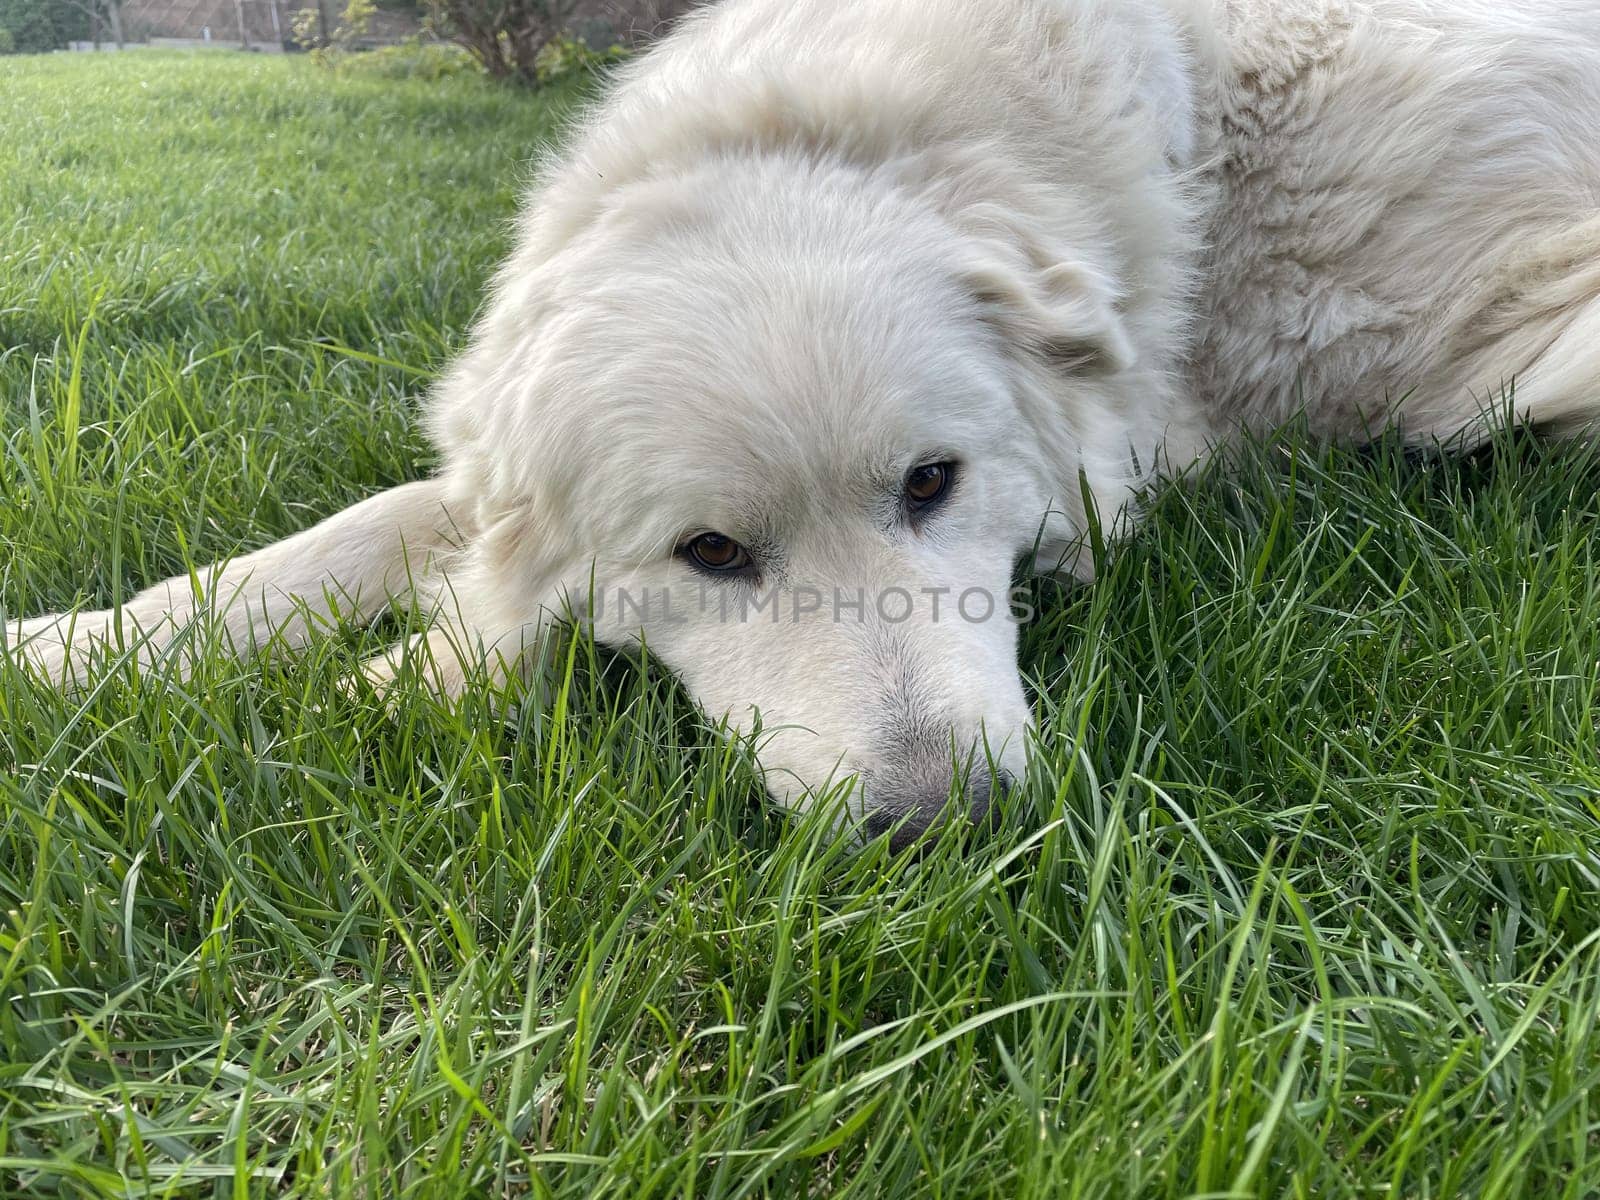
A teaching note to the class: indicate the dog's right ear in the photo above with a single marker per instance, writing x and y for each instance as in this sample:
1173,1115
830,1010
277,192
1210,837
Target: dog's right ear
1063,313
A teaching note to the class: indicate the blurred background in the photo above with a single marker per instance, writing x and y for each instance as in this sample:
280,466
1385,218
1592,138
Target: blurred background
505,37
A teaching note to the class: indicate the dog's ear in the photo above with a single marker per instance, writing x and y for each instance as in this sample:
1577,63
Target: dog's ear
1063,313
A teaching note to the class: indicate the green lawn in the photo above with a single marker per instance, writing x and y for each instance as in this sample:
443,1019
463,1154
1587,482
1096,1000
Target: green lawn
1302,896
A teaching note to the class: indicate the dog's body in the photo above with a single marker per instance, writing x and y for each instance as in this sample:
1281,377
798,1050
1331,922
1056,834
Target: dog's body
814,262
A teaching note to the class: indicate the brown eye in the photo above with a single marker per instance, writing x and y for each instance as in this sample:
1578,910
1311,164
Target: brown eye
927,485
713,552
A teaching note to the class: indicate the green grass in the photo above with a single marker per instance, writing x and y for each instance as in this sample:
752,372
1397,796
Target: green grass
1301,896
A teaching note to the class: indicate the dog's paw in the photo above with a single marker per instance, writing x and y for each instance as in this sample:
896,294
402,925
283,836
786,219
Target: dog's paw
65,649
431,659
60,648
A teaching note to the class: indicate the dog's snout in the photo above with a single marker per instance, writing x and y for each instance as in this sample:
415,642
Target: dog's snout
908,814
989,816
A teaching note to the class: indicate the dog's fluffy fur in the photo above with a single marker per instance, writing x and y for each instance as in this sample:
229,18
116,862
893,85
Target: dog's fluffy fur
805,247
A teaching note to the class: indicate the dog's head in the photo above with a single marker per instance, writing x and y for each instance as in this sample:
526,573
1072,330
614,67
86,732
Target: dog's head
795,446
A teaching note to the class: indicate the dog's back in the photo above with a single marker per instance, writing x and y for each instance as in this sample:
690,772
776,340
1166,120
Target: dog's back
1408,214
1322,204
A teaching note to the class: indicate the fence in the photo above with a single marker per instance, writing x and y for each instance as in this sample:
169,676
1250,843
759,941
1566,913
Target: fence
250,24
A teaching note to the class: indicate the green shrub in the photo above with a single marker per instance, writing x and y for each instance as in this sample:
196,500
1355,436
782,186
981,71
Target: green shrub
532,41
8,44
34,27
351,26
565,57
412,59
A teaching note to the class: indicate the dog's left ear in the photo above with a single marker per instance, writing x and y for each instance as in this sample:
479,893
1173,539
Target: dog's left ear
1063,313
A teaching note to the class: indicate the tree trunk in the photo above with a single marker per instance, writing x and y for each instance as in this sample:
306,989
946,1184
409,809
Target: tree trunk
244,34
114,12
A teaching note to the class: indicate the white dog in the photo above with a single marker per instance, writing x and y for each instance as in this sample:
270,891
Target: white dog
833,313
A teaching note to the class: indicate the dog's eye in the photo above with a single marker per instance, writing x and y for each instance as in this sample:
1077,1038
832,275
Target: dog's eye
927,485
713,552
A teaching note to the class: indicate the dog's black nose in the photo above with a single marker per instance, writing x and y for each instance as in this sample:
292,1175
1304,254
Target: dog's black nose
908,815
989,814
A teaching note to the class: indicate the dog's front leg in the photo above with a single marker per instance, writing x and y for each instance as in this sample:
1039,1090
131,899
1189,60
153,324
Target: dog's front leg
346,568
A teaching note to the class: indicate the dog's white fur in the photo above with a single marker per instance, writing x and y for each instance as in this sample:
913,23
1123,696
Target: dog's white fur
806,246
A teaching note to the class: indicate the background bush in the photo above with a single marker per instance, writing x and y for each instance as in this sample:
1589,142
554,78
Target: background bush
509,36
414,59
35,26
